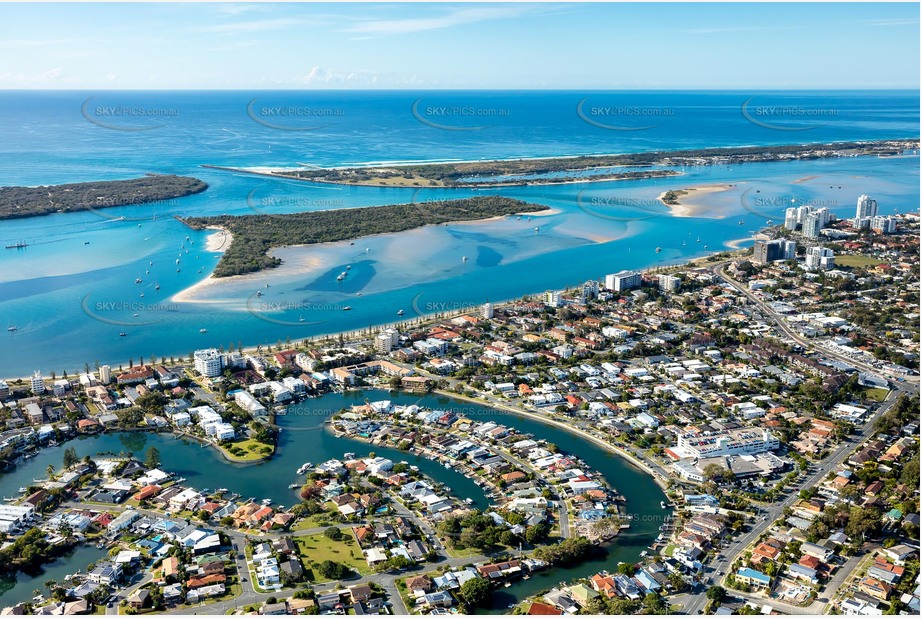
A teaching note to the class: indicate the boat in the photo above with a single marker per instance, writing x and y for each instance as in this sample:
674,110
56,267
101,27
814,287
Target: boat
400,312
465,258
300,319
142,294
507,584
347,308
122,334
11,329
741,222
304,468
340,278
220,490
294,485
349,455
658,249
662,504
136,315
86,242
203,330
349,267
177,260
267,502
698,239
536,230
258,293
19,245
138,280
157,287
23,490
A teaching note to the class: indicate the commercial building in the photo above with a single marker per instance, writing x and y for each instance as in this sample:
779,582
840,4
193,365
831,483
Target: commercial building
744,441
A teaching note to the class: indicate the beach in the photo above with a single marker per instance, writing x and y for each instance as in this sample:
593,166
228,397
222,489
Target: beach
694,203
219,241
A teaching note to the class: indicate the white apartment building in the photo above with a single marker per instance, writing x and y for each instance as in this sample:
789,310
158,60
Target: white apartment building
209,363
624,280
38,384
819,258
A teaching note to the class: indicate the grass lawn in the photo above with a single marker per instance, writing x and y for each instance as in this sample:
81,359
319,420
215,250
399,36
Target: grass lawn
856,261
251,448
317,520
467,552
669,550
316,548
876,394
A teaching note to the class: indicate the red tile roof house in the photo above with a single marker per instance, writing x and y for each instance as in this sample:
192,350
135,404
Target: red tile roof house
147,492
542,609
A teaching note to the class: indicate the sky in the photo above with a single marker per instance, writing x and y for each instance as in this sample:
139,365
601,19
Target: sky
459,46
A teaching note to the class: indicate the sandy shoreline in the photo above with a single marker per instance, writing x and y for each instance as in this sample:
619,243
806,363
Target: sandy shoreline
690,204
219,241
296,261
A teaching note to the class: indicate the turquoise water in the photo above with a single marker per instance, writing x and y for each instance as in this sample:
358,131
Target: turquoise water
304,438
22,588
70,300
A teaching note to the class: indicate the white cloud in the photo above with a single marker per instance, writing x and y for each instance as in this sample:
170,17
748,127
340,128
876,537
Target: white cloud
51,75
256,25
421,24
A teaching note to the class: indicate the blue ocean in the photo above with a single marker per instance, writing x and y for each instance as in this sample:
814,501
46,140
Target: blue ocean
72,292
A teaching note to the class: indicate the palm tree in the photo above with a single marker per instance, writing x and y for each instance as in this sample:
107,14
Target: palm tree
50,470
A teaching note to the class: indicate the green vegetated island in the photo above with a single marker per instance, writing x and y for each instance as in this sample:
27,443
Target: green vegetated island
255,235
559,170
20,202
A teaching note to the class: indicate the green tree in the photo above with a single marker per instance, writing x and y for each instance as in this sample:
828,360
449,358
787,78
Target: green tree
333,533
476,592
70,458
152,457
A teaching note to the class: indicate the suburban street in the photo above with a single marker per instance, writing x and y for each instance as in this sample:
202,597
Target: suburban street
817,472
